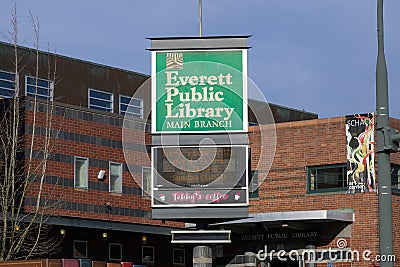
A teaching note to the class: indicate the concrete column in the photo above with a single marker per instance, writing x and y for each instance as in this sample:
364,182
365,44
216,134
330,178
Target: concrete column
202,256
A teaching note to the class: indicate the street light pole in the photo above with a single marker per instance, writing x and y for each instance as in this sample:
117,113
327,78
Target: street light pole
382,127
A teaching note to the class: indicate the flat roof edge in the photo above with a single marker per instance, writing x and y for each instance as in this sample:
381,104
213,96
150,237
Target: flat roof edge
199,37
199,43
117,226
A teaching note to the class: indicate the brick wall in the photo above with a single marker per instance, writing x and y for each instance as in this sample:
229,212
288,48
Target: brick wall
98,137
311,143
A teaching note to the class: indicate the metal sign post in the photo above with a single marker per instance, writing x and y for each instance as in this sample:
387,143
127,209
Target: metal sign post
384,149
200,19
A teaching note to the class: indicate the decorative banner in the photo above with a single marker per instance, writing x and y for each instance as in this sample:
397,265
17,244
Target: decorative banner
360,153
199,91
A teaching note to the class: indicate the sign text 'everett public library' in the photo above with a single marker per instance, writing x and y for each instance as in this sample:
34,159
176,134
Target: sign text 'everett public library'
199,91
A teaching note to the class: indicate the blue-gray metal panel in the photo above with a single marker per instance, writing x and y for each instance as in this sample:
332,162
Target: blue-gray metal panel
308,215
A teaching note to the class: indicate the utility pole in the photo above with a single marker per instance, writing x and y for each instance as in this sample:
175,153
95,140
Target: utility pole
387,142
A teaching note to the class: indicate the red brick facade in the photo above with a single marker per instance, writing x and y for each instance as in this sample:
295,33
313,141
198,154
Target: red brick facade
311,143
63,123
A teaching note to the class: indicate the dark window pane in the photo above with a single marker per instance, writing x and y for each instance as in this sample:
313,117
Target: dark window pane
40,82
100,100
43,83
327,178
123,107
80,249
38,96
125,100
39,91
7,76
100,103
6,93
101,95
43,89
148,254
395,173
115,251
30,80
131,106
7,84
253,184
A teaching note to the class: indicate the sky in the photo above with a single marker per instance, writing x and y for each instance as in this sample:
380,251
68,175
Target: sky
313,55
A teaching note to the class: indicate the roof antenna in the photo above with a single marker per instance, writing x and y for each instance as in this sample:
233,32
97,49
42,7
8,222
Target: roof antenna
200,19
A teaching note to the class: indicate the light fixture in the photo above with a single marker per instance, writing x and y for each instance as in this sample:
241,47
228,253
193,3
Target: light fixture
104,235
62,231
17,227
101,175
144,238
285,225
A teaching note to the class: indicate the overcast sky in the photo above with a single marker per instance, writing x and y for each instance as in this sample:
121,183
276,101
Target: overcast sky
316,55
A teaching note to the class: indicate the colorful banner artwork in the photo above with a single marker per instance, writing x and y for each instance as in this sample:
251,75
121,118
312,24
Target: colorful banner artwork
360,153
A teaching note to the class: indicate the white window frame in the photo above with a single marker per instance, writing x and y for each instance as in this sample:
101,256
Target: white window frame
109,175
173,256
144,193
120,251
86,250
9,81
100,108
86,172
152,258
136,115
50,88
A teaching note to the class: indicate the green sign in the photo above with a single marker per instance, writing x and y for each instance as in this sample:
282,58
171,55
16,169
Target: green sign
199,91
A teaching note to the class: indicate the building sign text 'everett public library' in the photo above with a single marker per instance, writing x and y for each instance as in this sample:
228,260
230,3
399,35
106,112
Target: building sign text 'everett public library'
199,91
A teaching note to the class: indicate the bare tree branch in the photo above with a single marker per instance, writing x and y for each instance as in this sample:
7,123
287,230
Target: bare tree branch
24,161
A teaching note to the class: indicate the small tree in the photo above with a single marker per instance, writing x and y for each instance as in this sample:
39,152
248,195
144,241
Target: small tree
24,157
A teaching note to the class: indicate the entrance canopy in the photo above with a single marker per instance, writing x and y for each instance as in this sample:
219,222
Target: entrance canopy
321,224
307,216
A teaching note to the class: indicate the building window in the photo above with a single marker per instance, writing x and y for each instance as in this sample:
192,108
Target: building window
146,181
7,84
395,172
115,177
115,252
253,184
81,172
130,106
80,249
179,256
100,100
148,254
327,178
39,87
